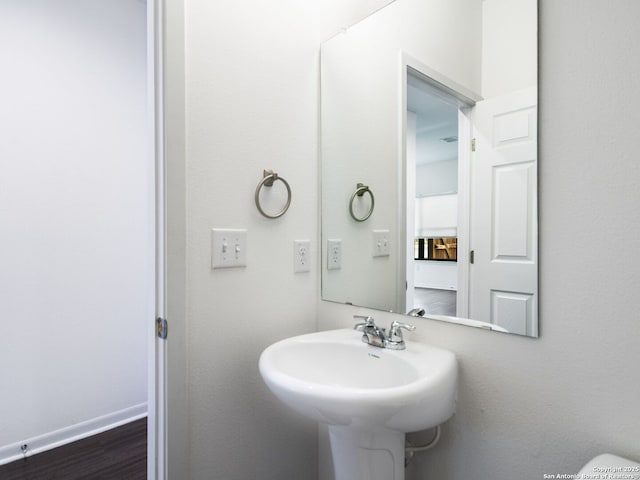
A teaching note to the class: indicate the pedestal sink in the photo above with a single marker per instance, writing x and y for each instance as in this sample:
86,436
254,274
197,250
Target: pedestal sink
368,396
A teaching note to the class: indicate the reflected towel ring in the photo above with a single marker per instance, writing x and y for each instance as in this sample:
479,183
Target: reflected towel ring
269,177
361,188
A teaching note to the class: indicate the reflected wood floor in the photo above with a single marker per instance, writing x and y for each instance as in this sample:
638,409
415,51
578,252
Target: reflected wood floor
117,454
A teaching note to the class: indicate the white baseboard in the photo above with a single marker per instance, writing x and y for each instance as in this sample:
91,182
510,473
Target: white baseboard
63,436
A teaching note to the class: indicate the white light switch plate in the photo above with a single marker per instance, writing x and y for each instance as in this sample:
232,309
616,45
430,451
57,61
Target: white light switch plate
381,243
228,248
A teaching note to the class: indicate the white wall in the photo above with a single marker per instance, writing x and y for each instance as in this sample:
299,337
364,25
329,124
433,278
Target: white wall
437,178
252,71
534,406
432,274
509,46
76,209
436,216
527,406
173,96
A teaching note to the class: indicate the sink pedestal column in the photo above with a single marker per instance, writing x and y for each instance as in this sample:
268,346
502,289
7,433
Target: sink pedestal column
367,455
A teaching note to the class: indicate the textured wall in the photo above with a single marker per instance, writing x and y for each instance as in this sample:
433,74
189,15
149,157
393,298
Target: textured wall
527,407
252,104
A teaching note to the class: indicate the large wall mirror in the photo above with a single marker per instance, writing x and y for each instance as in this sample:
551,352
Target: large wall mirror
429,162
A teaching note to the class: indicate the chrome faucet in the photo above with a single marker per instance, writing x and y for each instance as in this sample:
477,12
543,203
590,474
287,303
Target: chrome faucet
376,336
371,333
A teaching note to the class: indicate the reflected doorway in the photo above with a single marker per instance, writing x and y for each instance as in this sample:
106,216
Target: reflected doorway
435,204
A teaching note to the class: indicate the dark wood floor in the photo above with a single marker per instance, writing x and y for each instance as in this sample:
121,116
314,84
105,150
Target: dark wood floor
118,454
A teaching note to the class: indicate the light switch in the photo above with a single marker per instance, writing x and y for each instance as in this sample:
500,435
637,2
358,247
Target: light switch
381,243
228,248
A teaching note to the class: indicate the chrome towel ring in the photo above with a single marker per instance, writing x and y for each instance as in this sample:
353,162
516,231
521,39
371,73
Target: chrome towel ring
361,189
269,177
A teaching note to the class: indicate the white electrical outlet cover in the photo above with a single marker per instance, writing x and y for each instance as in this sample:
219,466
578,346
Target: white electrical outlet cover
301,256
334,254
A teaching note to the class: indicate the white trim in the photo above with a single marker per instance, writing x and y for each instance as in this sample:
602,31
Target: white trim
156,433
410,205
72,433
405,247
442,83
464,211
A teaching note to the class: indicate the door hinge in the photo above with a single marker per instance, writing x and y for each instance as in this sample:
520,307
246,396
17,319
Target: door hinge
473,144
162,328
472,256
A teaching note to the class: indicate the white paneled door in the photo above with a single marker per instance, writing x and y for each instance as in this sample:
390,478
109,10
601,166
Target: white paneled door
503,276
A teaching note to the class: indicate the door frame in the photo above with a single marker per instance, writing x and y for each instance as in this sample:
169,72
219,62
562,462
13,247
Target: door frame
156,445
465,100
167,380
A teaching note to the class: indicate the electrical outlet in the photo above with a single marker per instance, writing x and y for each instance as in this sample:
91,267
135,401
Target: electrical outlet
301,256
381,243
228,248
334,254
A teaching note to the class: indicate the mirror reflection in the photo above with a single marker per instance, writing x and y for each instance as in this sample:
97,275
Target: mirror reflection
432,105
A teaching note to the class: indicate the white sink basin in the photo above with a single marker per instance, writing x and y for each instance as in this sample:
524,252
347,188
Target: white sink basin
335,378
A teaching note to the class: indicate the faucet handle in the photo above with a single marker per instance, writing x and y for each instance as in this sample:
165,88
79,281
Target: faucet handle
395,331
368,322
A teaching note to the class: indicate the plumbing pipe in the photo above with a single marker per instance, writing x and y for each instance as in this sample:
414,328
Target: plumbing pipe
411,450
